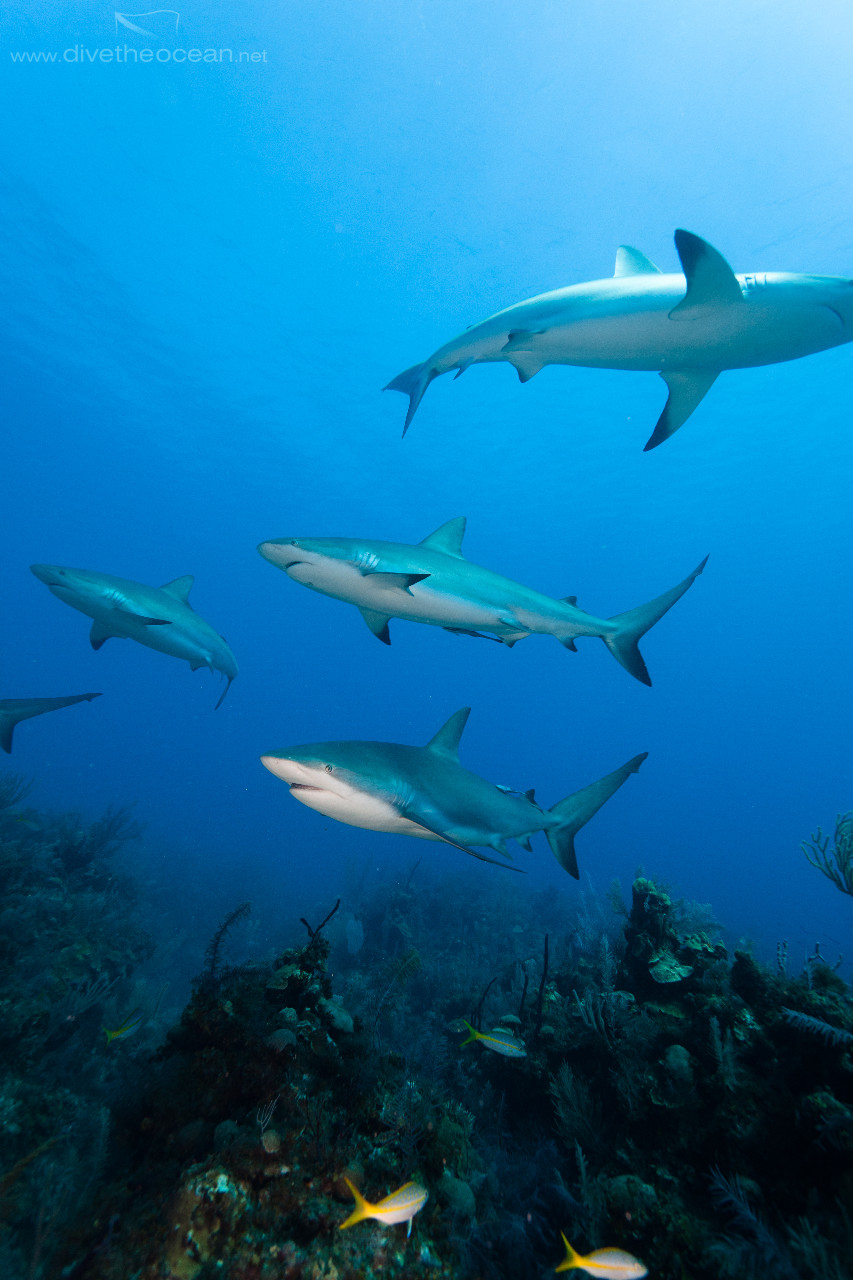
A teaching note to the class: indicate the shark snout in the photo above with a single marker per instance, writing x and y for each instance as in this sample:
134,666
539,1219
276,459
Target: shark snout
289,771
282,553
287,553
50,574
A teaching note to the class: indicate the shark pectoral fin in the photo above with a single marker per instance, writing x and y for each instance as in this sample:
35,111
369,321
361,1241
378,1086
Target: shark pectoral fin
143,618
429,824
378,623
447,538
478,635
395,581
99,635
630,262
710,279
687,387
569,644
446,741
180,588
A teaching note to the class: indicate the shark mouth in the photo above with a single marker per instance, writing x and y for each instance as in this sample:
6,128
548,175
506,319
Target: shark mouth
303,786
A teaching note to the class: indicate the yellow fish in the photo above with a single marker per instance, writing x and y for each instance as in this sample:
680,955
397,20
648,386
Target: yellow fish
400,1206
499,1041
610,1264
131,1023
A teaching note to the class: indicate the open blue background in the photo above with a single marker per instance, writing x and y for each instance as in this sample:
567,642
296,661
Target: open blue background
211,271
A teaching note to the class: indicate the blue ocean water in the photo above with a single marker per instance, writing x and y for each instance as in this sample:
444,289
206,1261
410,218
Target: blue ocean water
211,271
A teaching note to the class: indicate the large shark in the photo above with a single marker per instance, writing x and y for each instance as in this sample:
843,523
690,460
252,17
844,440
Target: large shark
425,792
434,583
688,327
160,617
14,710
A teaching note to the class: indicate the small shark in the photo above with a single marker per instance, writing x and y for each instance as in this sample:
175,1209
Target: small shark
161,618
14,710
688,327
434,583
425,792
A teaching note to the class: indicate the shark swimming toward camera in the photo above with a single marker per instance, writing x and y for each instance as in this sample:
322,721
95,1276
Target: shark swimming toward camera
425,792
432,582
161,618
688,327
14,710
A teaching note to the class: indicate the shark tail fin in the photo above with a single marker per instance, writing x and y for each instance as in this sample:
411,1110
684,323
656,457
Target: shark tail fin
361,1210
631,626
576,810
413,383
222,695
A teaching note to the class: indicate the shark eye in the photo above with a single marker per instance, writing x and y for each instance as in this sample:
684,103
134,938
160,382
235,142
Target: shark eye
294,543
328,768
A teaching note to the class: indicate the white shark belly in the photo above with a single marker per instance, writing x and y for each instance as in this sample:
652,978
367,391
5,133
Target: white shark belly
359,809
420,603
725,337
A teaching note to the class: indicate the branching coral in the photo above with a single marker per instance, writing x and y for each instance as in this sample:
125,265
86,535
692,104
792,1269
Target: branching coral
835,863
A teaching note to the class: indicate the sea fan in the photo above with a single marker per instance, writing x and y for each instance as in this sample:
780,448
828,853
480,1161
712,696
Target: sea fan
817,1027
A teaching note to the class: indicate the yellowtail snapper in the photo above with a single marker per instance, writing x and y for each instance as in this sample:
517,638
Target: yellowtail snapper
400,1206
499,1041
609,1264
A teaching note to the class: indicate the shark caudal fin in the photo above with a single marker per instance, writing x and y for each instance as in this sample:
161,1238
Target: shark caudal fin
576,810
413,383
224,691
633,625
14,710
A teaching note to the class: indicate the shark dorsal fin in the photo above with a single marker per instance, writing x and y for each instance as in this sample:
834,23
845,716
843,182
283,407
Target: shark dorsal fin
710,279
630,262
180,588
448,538
446,741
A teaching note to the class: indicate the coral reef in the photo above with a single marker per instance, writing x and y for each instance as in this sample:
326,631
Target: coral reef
69,942
691,1106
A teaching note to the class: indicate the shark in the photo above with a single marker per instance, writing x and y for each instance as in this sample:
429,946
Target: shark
14,710
688,327
425,792
161,618
433,582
